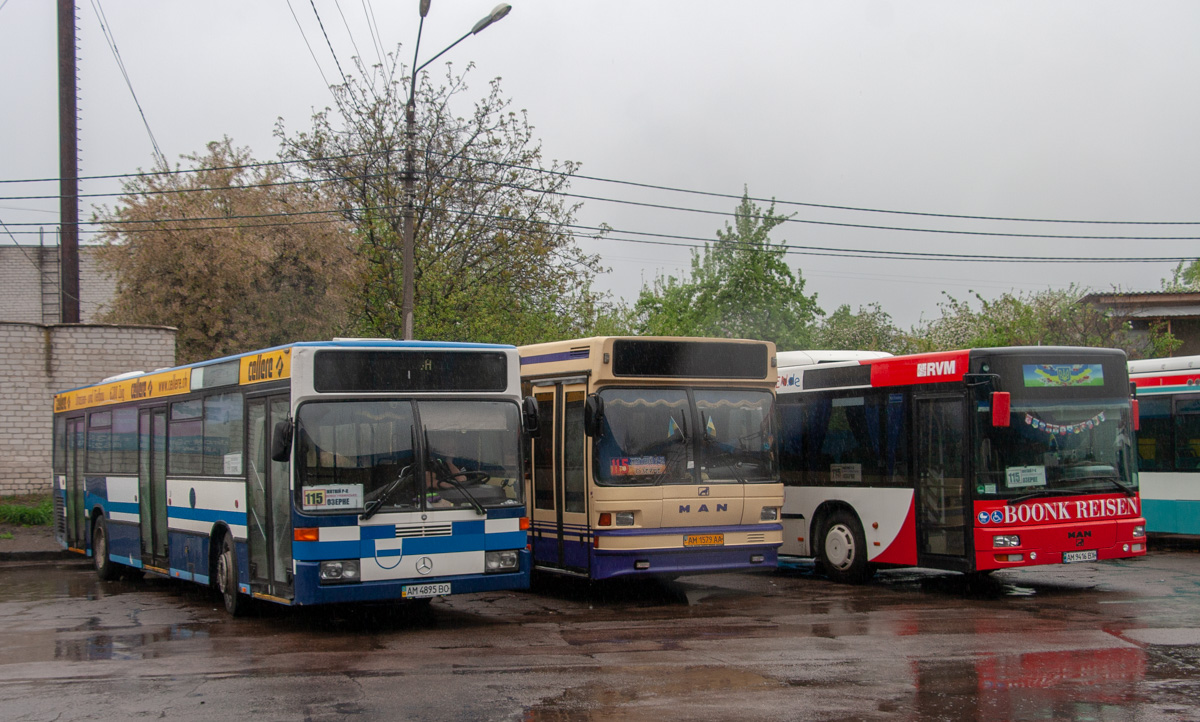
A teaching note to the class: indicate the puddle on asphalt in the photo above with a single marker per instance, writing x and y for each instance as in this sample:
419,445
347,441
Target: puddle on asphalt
122,646
637,693
1091,684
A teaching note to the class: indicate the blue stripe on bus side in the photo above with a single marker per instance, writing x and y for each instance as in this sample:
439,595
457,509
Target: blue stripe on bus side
469,527
505,540
237,518
318,551
444,544
121,507
378,532
552,357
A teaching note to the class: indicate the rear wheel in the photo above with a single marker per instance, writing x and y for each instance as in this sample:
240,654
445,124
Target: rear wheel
843,555
227,578
106,568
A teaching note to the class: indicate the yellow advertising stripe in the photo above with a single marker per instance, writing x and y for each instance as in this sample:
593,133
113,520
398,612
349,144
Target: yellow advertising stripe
166,383
269,366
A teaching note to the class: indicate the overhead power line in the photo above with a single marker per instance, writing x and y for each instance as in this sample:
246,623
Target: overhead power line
710,194
111,40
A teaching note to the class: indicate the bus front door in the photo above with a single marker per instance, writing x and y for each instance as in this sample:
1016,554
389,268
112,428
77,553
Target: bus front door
76,506
269,521
941,482
562,537
152,486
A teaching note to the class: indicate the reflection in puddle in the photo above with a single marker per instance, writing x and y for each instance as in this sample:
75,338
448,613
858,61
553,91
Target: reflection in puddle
638,694
121,646
1082,684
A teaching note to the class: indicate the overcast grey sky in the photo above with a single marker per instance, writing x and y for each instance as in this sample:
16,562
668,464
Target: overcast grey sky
1043,110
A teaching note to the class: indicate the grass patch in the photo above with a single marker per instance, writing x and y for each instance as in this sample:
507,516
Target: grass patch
27,511
6,535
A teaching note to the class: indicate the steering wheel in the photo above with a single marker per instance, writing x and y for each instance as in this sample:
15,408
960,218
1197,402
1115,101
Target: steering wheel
447,479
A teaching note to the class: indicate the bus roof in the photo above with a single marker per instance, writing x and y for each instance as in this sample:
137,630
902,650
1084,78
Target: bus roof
922,368
651,357
809,358
1152,365
334,343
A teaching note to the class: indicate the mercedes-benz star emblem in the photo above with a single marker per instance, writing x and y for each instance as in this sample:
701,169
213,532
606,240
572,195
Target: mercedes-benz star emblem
424,565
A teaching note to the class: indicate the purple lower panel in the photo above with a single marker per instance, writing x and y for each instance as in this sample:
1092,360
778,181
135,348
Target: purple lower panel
620,563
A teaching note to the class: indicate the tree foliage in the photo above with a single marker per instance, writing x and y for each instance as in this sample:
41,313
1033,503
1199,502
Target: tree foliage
495,256
229,253
740,286
1054,317
871,329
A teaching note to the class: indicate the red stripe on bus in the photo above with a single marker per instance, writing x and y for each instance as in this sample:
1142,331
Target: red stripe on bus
1172,380
903,549
923,368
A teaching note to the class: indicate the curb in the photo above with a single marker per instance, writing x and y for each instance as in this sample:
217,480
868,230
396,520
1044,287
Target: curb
42,556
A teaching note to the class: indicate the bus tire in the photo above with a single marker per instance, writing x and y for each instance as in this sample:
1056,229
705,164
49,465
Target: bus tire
227,577
106,568
843,555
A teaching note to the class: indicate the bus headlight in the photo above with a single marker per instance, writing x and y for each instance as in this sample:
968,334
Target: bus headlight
1139,531
340,572
769,513
505,561
624,518
1006,540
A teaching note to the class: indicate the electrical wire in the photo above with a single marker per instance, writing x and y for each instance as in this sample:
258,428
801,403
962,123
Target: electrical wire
111,40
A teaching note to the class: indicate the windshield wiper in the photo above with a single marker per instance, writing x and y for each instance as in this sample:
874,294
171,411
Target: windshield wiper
448,477
1124,489
376,504
1045,492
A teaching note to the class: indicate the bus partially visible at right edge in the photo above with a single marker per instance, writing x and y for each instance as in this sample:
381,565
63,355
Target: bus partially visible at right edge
968,461
1168,441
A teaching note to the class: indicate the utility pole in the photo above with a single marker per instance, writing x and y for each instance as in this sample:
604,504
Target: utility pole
68,165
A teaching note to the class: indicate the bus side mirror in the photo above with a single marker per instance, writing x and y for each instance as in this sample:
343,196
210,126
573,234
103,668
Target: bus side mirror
281,441
1001,407
593,412
529,416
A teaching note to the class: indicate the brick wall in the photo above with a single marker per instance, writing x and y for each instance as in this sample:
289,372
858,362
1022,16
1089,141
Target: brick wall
37,361
29,284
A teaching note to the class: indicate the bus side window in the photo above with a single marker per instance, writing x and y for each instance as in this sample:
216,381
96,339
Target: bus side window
1155,438
1187,433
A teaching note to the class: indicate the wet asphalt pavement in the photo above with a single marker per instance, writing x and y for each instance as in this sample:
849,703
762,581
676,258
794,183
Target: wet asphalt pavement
1112,641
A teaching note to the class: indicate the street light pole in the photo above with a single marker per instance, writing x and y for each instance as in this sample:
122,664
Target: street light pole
409,212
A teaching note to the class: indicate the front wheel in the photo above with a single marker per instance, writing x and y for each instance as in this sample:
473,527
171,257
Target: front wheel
843,555
227,582
106,568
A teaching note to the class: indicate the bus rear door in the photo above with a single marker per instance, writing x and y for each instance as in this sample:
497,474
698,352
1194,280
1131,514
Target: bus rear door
152,486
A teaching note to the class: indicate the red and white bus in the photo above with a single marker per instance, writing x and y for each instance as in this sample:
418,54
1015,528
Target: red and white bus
969,461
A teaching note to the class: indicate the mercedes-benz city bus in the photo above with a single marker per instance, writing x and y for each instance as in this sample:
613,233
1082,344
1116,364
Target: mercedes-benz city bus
343,471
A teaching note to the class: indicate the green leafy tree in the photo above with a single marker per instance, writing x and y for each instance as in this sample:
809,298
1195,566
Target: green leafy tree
1185,278
1053,317
871,329
229,253
740,286
495,256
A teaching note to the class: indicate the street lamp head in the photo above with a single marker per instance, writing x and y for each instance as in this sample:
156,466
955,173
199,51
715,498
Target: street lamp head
424,8
498,12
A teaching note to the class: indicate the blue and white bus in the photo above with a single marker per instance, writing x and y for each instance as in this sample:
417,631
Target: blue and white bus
1168,441
343,471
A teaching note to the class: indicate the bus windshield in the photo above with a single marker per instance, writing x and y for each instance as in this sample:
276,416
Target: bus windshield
1056,446
671,436
356,455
